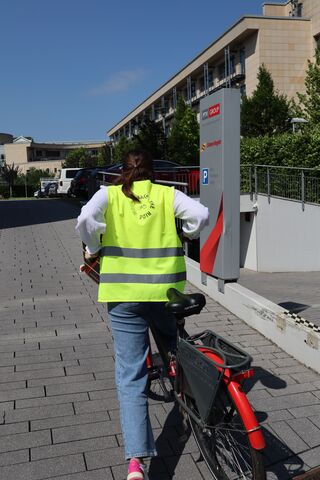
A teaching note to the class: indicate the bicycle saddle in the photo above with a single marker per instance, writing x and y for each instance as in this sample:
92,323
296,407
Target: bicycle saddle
184,305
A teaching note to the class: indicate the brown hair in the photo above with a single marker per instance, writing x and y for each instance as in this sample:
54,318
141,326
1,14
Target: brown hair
137,165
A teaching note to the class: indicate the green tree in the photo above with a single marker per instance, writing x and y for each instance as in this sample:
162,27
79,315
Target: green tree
104,155
79,158
152,138
309,102
123,146
33,176
10,173
183,139
266,112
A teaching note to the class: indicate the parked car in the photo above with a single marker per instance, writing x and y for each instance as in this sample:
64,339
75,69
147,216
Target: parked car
49,190
85,179
64,180
167,171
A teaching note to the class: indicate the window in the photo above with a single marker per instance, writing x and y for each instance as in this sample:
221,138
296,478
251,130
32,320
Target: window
221,71
52,153
242,89
70,173
38,153
242,62
2,156
210,77
193,89
232,65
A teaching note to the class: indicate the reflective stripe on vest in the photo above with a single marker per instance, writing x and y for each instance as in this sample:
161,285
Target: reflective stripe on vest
136,278
141,252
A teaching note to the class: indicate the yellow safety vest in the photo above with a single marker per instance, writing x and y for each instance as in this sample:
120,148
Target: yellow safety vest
141,254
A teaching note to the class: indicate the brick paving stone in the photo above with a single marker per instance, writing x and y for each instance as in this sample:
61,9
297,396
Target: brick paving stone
76,387
306,430
289,436
41,366
87,377
11,458
20,441
21,393
290,401
76,446
80,432
12,428
305,411
311,457
101,474
104,458
43,469
31,374
36,413
101,394
54,400
55,422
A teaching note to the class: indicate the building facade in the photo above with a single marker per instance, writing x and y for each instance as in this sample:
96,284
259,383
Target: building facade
4,138
25,153
283,38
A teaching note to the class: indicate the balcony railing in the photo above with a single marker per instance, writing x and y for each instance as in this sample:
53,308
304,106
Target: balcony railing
294,183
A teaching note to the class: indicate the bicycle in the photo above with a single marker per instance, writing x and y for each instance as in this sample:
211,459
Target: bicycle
205,376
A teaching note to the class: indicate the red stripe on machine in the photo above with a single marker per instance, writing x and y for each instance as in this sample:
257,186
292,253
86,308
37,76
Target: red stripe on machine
208,252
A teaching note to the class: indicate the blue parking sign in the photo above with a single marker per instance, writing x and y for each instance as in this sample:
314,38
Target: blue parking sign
205,176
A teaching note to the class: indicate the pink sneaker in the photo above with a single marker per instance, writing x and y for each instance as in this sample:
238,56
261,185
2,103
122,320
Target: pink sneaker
136,471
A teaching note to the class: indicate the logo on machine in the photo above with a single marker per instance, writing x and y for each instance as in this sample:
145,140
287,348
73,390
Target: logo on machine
214,110
206,145
204,114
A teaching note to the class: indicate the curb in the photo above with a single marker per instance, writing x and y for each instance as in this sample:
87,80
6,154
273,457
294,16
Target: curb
295,335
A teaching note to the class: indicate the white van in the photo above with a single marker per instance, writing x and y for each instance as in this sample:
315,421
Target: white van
64,179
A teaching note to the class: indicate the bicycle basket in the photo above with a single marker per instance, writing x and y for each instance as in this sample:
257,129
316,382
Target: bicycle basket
203,370
233,357
201,375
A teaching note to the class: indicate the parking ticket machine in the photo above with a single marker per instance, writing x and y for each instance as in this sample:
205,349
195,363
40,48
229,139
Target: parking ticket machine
220,184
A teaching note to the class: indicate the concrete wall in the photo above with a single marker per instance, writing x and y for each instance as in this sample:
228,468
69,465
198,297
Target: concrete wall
284,48
311,9
280,236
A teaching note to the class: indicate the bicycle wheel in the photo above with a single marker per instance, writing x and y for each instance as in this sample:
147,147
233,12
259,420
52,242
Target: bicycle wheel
225,446
159,386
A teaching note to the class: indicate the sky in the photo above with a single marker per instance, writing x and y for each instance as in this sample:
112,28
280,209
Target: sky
71,69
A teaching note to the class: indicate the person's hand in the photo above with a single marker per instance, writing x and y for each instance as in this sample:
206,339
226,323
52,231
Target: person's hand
91,257
183,238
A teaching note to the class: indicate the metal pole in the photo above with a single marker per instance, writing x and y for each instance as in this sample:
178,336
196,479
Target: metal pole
250,183
302,190
206,78
255,182
25,184
268,184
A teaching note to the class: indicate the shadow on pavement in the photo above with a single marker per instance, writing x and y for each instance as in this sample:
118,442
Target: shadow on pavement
173,438
20,213
293,306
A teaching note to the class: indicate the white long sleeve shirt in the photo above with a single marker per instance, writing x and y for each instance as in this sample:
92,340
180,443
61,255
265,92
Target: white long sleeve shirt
91,221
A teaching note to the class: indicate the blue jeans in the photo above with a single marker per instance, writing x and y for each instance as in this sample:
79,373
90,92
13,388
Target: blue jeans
130,322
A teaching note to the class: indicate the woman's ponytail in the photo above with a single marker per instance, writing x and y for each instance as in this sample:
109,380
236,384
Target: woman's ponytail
137,165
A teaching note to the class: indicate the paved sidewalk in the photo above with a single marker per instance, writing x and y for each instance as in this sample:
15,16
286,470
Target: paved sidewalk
57,394
294,291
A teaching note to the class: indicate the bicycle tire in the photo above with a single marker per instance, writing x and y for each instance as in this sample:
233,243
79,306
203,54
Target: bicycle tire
159,388
227,453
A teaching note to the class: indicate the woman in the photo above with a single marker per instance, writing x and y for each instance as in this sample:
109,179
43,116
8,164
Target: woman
132,227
